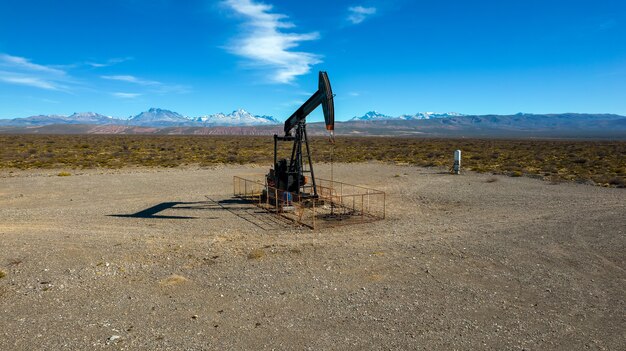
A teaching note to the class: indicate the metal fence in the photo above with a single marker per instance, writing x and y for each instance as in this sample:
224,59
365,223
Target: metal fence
337,203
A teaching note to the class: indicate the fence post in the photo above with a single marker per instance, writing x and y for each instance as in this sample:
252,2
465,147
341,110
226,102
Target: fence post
362,209
384,205
314,215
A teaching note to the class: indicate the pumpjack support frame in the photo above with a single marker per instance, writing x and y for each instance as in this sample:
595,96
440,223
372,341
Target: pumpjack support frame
292,177
299,160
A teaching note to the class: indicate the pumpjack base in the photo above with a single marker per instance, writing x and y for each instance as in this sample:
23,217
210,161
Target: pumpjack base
335,204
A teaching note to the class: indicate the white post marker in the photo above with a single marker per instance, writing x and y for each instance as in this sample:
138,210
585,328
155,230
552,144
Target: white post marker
457,162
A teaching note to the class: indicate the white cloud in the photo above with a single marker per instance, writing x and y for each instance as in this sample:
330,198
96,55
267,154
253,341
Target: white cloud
606,25
265,45
292,103
24,64
109,62
154,86
358,14
50,101
126,95
172,89
21,71
28,81
132,79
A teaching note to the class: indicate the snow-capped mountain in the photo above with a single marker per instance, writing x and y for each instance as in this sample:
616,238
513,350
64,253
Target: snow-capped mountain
76,118
564,125
238,117
376,116
90,117
429,115
156,117
371,116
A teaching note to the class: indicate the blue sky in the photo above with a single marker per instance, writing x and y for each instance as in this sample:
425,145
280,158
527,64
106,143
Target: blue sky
120,57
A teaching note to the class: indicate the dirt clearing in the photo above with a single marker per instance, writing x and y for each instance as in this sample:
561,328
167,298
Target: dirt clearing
168,260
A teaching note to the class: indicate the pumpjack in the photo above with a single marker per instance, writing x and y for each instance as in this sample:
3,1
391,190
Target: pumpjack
294,179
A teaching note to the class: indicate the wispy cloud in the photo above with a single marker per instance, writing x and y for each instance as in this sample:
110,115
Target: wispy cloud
606,25
292,103
152,86
18,70
266,45
50,101
126,95
109,62
24,64
21,71
132,79
358,14
9,77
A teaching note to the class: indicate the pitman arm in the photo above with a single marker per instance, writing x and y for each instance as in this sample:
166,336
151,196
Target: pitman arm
323,96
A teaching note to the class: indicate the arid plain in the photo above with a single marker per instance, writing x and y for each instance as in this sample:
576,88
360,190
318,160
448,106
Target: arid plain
473,261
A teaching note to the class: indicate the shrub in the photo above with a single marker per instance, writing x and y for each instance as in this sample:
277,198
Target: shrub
575,160
617,181
256,254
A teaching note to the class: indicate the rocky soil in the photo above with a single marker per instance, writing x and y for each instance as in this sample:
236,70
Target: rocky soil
166,260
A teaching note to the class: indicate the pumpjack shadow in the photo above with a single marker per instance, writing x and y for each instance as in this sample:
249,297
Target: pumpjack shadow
152,212
239,208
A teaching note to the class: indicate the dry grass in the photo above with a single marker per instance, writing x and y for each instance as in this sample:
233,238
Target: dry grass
256,254
15,261
599,161
173,279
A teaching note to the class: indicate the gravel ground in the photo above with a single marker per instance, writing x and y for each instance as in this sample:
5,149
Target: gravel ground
469,262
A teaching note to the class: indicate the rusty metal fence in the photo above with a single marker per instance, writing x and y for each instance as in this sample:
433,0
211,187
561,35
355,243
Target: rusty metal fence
337,203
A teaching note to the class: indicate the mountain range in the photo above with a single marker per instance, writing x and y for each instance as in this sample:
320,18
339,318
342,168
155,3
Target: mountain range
376,116
154,117
521,125
422,124
76,118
